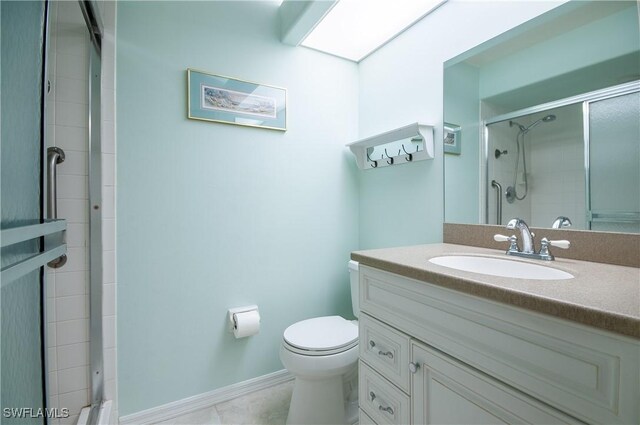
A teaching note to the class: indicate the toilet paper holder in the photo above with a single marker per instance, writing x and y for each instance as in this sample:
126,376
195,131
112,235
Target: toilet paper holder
233,311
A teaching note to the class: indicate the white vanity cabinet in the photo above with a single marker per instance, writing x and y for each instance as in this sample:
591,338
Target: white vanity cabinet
477,361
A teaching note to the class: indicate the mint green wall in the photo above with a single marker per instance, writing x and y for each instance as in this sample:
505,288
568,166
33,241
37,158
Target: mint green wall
462,108
402,83
213,216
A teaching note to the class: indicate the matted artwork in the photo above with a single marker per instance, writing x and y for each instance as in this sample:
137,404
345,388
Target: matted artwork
232,101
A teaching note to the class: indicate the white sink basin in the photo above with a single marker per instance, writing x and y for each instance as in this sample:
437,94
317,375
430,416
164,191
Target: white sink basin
500,267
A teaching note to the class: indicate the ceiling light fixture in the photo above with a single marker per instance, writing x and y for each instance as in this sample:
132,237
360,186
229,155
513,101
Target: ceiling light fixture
353,29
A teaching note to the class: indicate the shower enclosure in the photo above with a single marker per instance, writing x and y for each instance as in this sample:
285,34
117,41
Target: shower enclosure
50,181
573,162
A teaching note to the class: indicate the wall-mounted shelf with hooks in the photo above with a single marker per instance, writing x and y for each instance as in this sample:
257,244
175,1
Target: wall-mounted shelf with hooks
413,142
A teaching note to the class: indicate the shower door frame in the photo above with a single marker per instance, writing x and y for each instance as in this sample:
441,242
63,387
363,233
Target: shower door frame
95,30
585,99
91,14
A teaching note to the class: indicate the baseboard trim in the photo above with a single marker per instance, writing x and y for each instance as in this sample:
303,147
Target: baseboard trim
204,400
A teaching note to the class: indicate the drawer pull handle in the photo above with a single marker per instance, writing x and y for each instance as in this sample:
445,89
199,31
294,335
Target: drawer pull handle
413,367
382,408
386,353
389,354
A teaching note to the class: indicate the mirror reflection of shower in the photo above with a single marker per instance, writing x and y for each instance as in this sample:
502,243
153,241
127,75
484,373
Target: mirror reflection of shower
540,167
512,191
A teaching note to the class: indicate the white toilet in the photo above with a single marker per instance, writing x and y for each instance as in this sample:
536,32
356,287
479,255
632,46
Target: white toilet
322,353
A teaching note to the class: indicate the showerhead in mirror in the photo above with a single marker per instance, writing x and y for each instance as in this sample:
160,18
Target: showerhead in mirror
523,129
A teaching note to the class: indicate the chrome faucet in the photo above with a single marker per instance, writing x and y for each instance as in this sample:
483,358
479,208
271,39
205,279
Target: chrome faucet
561,222
528,248
527,236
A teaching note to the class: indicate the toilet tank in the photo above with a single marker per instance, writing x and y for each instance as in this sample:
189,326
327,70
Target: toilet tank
355,287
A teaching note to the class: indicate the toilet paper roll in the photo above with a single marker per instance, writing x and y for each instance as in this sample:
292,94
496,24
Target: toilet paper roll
246,323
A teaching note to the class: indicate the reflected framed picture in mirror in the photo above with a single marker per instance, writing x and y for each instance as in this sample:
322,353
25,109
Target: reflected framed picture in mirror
452,139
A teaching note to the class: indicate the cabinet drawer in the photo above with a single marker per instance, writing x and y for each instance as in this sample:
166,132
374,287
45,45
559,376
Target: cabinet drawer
447,391
386,350
590,374
380,399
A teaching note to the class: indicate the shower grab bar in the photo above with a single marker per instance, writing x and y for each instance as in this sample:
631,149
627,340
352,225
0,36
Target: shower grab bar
55,156
498,188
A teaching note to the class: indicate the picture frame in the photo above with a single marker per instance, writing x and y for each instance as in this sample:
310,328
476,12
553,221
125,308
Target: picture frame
452,139
227,100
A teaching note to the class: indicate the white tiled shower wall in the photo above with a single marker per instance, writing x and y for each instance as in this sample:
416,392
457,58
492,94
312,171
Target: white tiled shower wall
68,287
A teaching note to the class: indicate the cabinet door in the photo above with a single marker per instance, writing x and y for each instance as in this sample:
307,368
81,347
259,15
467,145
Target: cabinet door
446,391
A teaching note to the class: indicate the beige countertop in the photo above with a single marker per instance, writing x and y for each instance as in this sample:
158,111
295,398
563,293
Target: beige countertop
600,295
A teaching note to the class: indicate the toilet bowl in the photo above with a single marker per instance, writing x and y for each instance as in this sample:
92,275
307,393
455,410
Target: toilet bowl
322,354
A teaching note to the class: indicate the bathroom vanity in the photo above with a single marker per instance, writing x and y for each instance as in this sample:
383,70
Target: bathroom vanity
439,345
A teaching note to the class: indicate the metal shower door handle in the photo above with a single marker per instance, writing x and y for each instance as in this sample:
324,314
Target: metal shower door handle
55,156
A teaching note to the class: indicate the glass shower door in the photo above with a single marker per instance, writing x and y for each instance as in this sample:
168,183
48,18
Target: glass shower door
21,152
613,130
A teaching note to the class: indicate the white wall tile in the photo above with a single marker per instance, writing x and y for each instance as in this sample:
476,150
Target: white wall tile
50,284
71,40
75,163
72,187
50,111
70,308
52,362
109,331
108,234
71,420
73,355
72,332
71,114
110,364
72,90
74,401
108,137
109,267
76,260
53,402
109,300
77,235
51,310
72,66
52,336
108,202
72,138
108,105
72,379
70,283
52,383
74,210
108,169
110,389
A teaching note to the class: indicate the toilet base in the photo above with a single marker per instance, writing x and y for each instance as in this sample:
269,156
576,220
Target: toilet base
320,402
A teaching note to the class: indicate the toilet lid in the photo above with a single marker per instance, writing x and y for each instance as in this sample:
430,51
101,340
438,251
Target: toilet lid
322,333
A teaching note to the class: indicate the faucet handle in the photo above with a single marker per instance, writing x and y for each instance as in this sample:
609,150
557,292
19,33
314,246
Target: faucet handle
564,244
512,239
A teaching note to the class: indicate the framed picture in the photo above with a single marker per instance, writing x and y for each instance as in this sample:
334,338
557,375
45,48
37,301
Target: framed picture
452,139
231,101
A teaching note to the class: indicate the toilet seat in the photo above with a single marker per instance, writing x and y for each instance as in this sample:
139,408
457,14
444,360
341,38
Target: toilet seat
321,336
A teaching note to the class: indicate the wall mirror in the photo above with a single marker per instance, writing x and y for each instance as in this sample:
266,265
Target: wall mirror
548,118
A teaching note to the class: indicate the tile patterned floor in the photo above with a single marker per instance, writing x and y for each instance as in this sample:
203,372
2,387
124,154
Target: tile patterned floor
267,407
